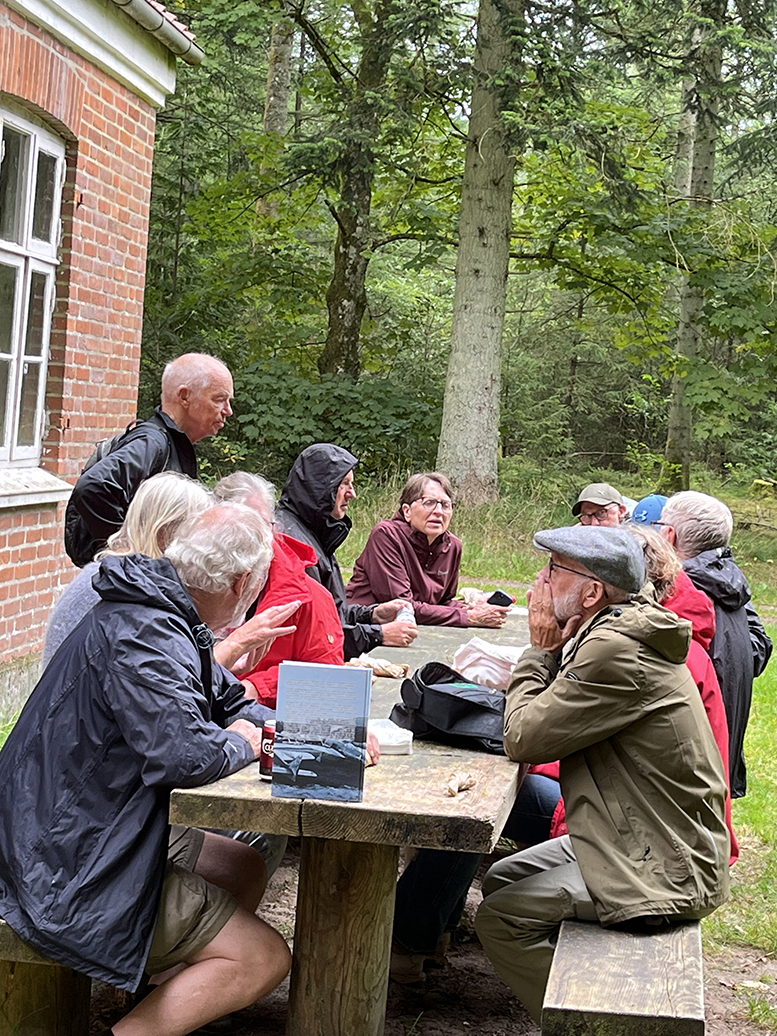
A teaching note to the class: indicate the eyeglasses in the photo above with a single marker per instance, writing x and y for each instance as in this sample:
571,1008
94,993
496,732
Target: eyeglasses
554,564
600,515
430,504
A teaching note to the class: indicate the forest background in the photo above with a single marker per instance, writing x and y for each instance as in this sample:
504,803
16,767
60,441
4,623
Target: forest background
307,210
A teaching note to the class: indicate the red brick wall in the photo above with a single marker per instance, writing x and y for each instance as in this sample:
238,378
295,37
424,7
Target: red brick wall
96,332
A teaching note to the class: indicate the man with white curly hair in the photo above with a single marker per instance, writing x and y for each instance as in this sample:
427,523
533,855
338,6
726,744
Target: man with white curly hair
700,527
136,706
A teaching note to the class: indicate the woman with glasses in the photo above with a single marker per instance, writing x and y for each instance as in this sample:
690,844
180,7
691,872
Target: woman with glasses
413,556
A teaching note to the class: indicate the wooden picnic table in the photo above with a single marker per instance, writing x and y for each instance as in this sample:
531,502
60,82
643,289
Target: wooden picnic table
350,851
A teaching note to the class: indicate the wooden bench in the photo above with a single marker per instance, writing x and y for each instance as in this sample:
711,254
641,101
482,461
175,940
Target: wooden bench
618,984
39,997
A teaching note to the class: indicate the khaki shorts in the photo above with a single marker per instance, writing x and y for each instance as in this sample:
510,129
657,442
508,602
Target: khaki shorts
192,911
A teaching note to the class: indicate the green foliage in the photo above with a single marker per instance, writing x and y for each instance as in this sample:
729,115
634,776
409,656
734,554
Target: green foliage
242,227
280,413
5,729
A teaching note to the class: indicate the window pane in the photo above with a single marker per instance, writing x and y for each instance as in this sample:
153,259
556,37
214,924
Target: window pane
45,185
5,367
28,405
12,184
36,315
7,299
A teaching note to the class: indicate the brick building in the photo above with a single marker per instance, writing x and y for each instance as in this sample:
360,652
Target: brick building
80,82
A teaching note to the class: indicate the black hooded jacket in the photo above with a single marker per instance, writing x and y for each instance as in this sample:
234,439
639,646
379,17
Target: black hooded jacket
119,718
305,512
98,504
739,650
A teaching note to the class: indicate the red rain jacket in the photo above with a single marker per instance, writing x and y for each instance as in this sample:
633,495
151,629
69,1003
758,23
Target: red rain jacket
319,634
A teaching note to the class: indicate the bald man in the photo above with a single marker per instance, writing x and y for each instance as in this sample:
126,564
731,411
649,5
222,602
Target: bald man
196,395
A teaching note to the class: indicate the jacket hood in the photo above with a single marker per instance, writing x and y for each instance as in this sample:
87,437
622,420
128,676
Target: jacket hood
311,489
690,603
288,579
136,579
649,623
720,577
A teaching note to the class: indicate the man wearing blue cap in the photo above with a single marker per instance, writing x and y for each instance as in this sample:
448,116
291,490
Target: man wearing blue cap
605,689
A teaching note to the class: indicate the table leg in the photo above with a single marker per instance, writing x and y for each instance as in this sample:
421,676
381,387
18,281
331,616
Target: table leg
342,938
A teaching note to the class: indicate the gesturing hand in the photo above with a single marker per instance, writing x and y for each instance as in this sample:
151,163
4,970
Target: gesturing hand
254,638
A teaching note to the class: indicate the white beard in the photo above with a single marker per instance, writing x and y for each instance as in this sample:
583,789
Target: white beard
568,604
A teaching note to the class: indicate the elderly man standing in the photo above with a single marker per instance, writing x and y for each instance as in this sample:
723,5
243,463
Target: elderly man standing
135,707
605,689
700,527
196,394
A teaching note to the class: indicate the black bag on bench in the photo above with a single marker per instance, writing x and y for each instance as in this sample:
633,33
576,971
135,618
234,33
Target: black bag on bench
440,704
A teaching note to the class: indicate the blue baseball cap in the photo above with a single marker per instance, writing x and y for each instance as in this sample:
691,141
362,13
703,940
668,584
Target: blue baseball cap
649,509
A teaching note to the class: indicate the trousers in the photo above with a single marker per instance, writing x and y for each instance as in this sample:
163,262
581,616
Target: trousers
525,899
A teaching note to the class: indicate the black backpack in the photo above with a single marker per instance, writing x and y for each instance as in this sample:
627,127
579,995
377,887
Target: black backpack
440,704
80,546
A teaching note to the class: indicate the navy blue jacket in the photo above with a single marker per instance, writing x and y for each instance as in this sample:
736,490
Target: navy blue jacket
119,718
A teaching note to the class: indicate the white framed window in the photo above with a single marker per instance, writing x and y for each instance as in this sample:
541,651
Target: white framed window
32,174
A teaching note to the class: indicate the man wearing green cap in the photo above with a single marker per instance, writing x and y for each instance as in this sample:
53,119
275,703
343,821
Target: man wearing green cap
601,504
605,689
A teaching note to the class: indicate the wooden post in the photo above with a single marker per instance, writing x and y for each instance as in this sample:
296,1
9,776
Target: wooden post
43,1000
342,938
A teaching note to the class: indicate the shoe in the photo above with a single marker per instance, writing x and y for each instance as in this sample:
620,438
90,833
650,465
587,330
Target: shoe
439,959
407,968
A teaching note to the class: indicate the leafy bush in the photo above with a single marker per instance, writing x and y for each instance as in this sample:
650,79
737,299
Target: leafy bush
386,425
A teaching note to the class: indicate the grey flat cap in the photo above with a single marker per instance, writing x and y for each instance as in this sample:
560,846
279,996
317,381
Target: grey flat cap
601,493
613,554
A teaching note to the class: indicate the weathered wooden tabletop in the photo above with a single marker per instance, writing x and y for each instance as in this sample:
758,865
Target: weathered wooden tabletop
404,796
350,850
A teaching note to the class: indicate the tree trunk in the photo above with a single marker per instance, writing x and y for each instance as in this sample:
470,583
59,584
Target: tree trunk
276,105
346,297
469,440
694,173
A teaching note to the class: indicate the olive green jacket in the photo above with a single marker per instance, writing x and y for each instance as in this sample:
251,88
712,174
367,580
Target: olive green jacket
641,775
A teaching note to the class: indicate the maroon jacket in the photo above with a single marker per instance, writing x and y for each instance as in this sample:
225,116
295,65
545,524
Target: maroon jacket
400,562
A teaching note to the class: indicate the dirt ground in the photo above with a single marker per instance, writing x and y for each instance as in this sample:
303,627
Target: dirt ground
468,997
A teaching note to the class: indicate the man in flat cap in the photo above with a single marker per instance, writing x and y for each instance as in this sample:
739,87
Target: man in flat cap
601,504
605,689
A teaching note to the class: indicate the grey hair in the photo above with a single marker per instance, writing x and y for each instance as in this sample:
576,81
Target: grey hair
700,522
192,370
241,486
662,564
158,508
213,549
